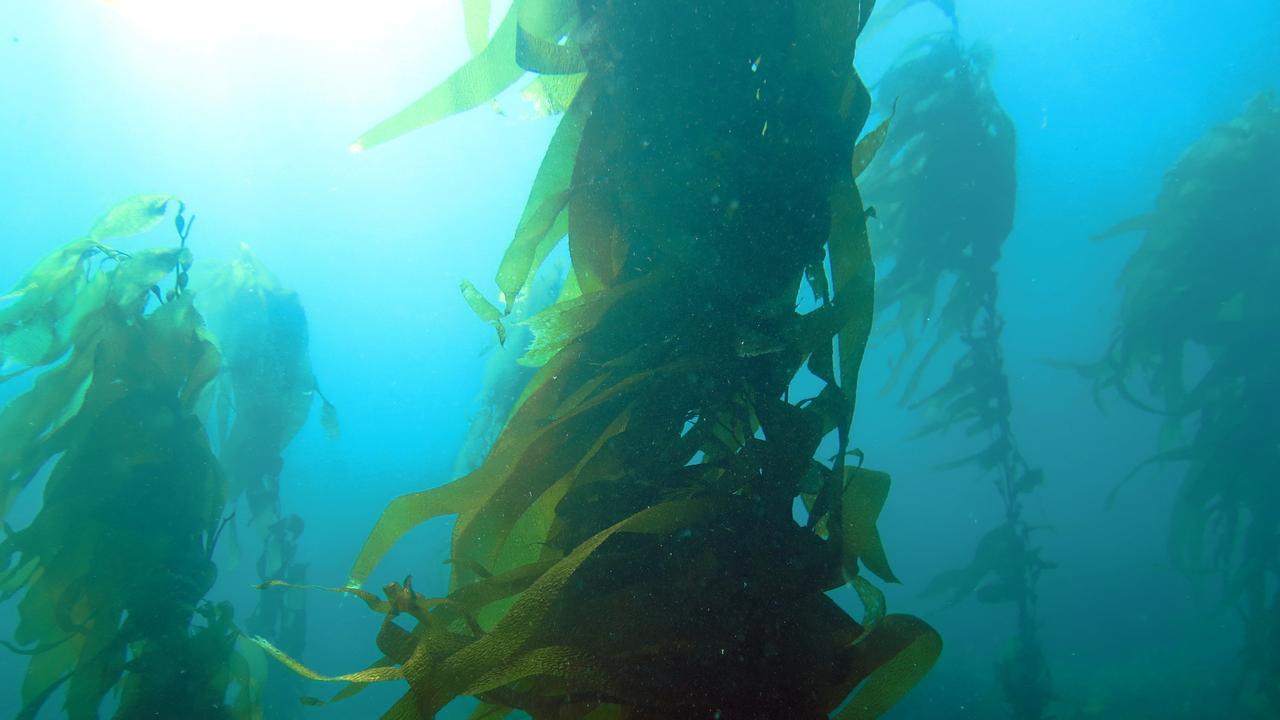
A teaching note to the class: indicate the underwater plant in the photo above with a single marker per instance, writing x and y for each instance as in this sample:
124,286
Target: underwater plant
115,565
630,548
1195,344
944,186
505,375
260,400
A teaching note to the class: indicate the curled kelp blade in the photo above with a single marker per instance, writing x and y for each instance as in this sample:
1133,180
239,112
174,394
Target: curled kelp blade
131,216
903,649
483,309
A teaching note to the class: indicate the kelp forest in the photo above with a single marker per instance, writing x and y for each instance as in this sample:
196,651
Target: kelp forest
703,360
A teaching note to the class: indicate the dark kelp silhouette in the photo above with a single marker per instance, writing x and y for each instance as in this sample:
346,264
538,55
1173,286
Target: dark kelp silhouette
628,549
114,567
943,185
1196,333
261,399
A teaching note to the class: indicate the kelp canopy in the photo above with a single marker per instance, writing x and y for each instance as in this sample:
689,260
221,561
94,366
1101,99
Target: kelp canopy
118,559
1196,345
944,188
629,548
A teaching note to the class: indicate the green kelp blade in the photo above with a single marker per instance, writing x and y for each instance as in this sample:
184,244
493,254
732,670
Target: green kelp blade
407,512
475,19
552,94
484,309
547,201
864,496
503,654
482,78
873,602
546,57
902,649
853,276
131,216
372,674
865,151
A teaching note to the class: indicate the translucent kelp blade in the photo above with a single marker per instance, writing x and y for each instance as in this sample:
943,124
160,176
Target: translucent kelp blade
873,603
853,276
864,497
547,199
131,216
559,325
485,76
552,94
865,151
483,309
475,18
407,512
903,649
546,57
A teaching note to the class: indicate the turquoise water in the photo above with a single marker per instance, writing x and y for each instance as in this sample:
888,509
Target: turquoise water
246,112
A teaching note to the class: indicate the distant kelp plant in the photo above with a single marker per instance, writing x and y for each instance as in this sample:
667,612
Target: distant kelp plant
114,568
944,186
260,400
630,547
1196,344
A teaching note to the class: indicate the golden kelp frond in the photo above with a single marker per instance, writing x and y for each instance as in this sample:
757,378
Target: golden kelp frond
1194,343
628,548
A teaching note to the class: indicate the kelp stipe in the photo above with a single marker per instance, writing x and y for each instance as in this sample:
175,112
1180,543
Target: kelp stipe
1195,344
944,187
628,549
263,395
114,568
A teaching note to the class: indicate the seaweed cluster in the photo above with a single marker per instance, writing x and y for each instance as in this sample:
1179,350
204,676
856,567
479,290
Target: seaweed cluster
944,186
1195,345
260,401
651,535
116,563
114,569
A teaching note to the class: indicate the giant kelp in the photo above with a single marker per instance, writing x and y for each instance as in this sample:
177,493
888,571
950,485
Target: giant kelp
629,547
114,567
944,188
1195,345
262,397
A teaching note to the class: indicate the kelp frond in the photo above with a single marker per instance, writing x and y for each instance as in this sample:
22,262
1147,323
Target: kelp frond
629,549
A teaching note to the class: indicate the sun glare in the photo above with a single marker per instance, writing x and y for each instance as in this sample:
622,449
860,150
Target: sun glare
209,22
